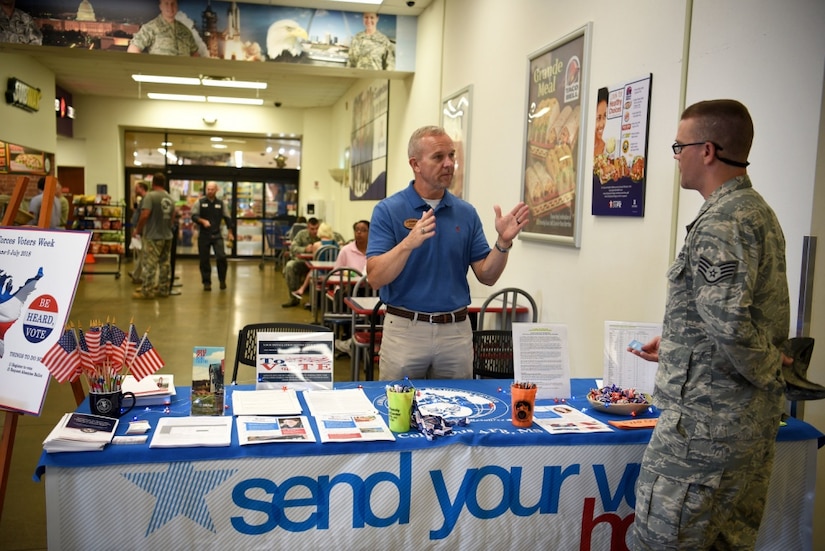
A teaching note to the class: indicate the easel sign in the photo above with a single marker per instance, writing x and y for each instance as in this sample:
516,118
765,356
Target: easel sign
39,272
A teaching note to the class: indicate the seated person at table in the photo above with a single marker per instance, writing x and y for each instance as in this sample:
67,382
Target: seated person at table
296,269
354,253
327,237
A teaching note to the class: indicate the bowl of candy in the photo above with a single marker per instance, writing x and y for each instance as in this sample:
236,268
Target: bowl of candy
619,401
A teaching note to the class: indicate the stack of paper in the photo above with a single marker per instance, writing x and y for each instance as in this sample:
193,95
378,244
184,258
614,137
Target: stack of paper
196,431
346,416
80,432
263,430
154,390
266,402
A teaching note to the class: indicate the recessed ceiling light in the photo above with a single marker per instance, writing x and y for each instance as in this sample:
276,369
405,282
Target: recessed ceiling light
227,83
239,101
219,145
216,139
158,79
176,97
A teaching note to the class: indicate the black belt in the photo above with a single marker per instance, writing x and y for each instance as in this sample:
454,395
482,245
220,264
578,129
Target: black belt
450,317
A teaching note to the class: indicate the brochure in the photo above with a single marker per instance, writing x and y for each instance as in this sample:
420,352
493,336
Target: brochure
351,400
265,402
351,427
154,390
207,380
80,432
565,419
188,432
263,430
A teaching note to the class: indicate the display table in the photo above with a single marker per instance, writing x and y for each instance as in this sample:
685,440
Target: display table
487,486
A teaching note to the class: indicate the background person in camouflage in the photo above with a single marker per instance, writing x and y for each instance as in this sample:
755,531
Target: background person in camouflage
157,211
704,477
164,35
371,49
17,26
295,270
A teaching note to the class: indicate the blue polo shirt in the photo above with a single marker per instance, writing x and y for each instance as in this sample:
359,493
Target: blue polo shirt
435,276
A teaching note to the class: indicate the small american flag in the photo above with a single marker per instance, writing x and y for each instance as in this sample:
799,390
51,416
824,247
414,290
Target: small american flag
62,358
116,346
132,343
86,361
146,361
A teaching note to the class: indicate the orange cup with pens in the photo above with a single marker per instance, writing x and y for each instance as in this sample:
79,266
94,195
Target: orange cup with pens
523,402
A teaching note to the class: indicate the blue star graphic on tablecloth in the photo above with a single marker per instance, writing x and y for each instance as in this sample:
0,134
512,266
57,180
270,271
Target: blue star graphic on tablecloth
180,491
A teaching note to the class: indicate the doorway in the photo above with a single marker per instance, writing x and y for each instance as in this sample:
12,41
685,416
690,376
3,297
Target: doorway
251,196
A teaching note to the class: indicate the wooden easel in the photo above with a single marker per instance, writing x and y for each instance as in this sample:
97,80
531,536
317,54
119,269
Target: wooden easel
10,424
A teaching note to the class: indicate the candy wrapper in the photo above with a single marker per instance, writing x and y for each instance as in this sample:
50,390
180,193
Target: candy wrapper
433,426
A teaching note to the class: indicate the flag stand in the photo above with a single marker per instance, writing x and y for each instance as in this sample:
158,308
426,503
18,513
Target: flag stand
12,417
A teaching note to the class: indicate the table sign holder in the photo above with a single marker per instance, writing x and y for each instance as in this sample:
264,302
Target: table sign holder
12,417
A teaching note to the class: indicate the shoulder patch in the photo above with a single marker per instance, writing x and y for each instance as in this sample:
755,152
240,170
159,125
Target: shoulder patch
715,273
410,223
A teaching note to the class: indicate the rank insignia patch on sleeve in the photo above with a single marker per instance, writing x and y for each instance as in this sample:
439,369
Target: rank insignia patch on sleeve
714,273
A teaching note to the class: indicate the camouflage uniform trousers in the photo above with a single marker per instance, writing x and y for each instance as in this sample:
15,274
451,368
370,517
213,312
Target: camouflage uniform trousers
694,492
156,267
295,273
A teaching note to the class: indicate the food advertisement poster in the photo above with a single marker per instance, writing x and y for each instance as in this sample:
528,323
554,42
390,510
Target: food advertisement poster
620,148
17,159
455,119
39,271
553,158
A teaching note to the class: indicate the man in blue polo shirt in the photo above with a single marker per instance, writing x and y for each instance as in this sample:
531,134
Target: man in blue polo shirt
422,241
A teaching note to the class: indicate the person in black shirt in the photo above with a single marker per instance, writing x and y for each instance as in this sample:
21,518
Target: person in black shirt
208,213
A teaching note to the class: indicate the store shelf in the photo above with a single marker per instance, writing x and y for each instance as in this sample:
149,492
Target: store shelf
107,224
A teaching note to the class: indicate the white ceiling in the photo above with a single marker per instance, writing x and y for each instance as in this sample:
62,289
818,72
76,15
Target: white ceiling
108,73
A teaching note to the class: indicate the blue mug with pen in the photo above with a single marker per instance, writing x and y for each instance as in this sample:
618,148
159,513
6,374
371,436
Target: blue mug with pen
110,404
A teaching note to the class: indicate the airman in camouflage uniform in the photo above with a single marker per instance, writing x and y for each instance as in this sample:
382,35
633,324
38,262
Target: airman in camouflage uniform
704,476
164,35
295,270
16,26
371,49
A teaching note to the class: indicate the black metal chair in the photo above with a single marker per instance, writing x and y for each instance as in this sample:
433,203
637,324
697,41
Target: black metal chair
367,332
493,348
246,352
338,285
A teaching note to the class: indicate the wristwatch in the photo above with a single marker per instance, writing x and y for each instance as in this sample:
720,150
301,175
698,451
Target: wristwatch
501,249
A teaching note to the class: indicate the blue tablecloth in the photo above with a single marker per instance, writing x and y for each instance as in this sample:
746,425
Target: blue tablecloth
490,425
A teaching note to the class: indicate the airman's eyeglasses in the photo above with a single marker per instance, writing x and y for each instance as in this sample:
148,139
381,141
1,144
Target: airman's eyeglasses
677,147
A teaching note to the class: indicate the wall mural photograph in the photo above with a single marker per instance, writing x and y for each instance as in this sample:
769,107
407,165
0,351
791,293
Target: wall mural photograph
219,29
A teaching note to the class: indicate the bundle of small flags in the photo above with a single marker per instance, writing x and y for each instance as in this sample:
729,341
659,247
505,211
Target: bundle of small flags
105,354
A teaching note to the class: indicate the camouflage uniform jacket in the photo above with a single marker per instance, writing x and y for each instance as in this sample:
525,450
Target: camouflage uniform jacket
20,28
164,39
301,241
372,51
727,312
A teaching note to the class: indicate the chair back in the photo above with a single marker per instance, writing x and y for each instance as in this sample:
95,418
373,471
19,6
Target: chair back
507,302
293,231
493,354
246,352
367,331
337,286
493,348
327,253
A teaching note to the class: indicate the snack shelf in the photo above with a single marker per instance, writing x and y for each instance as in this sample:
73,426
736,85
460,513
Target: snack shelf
107,224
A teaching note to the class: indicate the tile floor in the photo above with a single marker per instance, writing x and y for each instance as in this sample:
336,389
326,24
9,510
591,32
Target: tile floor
176,324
